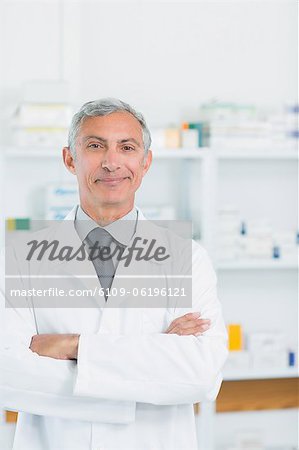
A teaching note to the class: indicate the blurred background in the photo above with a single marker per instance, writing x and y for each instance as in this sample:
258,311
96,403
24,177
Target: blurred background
217,83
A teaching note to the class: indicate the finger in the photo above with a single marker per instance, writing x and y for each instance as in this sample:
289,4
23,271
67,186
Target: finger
192,315
175,330
194,324
195,330
187,317
187,332
189,324
198,328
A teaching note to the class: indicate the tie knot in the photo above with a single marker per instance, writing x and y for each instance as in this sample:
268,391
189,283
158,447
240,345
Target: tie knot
101,236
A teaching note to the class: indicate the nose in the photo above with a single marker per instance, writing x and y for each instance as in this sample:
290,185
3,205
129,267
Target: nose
111,160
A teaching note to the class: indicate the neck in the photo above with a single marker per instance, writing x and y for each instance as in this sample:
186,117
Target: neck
104,215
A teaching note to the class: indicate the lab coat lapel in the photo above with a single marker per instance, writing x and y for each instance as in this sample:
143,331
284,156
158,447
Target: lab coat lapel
132,275
75,274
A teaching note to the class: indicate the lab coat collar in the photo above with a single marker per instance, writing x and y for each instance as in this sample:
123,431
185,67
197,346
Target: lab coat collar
146,229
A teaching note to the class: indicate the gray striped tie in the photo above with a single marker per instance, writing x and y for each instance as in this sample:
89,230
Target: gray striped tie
103,266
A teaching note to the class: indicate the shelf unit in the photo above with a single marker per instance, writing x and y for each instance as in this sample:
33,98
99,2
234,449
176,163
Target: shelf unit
289,154
260,294
261,264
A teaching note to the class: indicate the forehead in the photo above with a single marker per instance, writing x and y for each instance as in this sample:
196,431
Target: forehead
118,124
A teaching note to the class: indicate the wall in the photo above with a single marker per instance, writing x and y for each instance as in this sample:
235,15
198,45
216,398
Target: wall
164,57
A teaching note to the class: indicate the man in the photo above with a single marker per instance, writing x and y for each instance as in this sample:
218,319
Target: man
111,378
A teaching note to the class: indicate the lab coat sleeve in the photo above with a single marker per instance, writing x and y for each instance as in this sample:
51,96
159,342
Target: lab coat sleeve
42,385
161,369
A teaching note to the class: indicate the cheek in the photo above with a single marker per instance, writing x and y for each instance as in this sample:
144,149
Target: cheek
139,170
85,169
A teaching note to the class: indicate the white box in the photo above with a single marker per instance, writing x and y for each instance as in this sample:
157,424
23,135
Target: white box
269,359
44,115
189,138
267,340
56,138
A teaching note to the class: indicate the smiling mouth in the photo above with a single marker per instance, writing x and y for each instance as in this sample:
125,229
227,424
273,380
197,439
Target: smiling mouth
110,181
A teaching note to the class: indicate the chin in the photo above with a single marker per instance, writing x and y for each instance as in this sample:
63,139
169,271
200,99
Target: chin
111,200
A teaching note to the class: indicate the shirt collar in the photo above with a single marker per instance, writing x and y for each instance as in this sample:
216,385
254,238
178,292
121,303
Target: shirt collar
121,232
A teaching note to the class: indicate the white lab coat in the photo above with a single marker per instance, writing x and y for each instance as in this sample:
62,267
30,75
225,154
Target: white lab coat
132,388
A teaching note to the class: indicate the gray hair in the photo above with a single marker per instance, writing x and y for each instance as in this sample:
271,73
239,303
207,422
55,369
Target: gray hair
103,107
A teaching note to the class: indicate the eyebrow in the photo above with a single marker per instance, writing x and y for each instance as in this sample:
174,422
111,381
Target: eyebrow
99,138
123,141
120,141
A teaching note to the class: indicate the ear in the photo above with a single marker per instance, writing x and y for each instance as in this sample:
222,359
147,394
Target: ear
147,162
68,160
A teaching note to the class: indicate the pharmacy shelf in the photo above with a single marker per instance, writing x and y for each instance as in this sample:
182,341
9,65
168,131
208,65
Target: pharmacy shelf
182,153
271,264
29,152
282,154
235,374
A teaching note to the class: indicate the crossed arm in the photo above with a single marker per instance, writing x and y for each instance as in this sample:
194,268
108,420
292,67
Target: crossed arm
181,365
65,346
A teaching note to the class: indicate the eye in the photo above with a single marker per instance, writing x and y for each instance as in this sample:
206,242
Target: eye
128,148
94,145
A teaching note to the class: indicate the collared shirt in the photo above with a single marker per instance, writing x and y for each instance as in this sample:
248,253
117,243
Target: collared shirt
121,233
122,230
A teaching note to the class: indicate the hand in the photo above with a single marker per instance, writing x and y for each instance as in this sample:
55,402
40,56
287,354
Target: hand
189,324
58,346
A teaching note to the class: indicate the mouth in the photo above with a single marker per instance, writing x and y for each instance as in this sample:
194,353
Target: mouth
110,181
